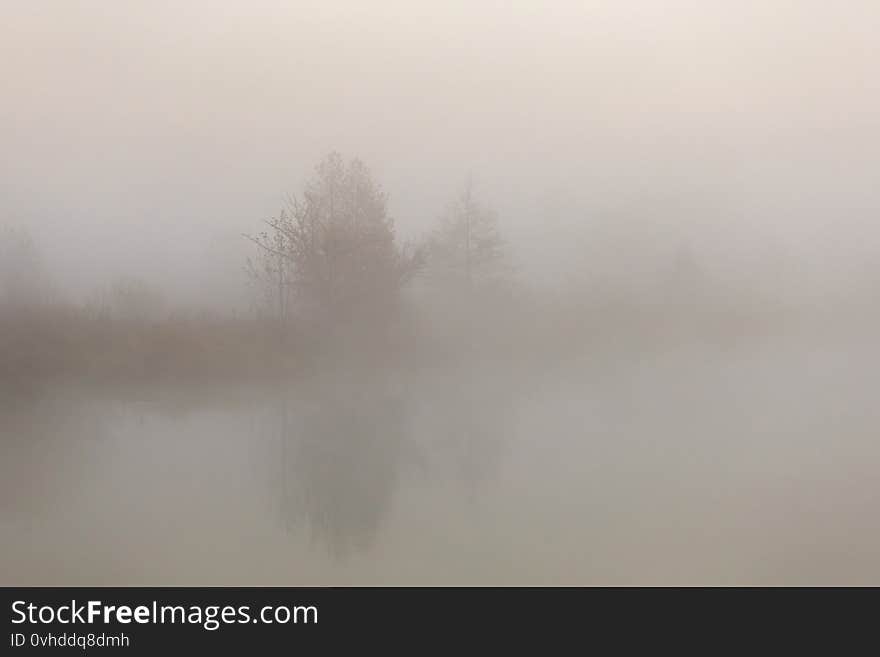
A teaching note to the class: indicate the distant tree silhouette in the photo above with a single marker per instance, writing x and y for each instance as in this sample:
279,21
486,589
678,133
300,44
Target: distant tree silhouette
134,299
333,251
24,280
466,248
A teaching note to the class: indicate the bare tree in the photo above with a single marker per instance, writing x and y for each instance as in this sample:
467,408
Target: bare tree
333,251
270,271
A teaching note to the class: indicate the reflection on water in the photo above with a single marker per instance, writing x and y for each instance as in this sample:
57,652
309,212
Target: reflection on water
757,466
340,466
38,460
345,451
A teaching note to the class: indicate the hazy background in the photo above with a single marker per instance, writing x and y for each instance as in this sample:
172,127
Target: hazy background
718,159
143,138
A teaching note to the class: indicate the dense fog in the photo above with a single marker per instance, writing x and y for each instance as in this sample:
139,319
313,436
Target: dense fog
439,292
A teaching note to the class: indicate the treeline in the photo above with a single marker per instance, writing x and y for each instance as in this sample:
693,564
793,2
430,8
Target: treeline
329,277
332,254
332,282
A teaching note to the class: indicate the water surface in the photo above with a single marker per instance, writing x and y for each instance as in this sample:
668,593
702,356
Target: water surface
704,465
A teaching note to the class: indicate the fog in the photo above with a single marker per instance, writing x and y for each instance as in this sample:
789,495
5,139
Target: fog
654,366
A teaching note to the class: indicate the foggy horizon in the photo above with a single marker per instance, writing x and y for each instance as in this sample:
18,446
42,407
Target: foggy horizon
143,141
326,282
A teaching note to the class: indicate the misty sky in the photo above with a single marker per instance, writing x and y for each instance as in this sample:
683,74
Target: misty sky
144,137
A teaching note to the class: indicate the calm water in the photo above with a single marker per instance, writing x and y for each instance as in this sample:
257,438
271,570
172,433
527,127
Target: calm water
759,464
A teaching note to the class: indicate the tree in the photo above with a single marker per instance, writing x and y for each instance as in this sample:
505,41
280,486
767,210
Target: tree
24,280
467,248
333,252
134,299
271,273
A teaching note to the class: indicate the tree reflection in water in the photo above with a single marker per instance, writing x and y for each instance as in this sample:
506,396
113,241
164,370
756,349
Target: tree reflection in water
45,441
341,460
344,454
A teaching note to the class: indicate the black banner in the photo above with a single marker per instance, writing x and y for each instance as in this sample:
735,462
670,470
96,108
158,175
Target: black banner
177,620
